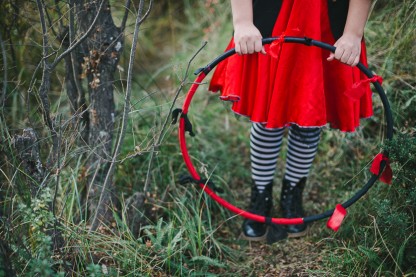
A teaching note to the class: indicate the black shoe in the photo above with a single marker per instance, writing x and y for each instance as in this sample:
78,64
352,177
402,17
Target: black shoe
291,206
261,204
275,233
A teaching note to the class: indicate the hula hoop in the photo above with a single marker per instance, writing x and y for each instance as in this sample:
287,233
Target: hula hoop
203,72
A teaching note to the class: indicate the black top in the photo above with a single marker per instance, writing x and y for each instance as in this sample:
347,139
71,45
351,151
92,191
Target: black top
265,13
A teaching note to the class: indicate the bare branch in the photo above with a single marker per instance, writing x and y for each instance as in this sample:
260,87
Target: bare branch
57,237
45,84
4,90
80,40
29,91
58,10
126,111
161,135
126,15
58,171
73,58
147,12
49,20
183,82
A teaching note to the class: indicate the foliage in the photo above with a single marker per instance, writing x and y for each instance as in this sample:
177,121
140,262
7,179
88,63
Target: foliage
383,242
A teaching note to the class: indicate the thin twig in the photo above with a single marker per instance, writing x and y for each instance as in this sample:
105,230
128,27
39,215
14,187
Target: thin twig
49,20
58,174
46,72
80,103
4,91
125,16
58,171
147,12
126,111
45,85
80,40
126,13
58,11
29,92
161,133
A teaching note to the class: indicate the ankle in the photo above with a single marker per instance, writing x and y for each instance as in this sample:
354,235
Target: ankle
261,202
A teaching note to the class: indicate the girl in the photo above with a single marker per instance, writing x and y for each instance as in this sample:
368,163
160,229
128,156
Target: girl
292,85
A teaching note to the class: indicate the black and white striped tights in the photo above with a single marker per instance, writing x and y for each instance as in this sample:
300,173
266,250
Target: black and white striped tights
265,146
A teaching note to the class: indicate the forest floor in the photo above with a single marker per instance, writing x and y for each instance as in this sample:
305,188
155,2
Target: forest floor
289,257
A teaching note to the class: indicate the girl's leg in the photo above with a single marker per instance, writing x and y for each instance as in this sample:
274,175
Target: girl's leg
302,148
265,146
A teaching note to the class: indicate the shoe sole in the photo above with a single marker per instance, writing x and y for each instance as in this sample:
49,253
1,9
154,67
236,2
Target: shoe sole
262,238
298,234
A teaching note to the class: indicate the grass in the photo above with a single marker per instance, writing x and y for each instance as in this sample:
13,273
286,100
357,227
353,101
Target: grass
185,232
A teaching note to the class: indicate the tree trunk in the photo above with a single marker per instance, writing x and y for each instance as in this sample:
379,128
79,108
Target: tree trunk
75,92
101,53
27,149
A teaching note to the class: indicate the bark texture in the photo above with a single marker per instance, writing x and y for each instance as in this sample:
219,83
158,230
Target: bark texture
101,52
27,149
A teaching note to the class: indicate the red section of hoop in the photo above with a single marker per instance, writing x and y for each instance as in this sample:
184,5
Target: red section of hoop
182,138
192,91
195,175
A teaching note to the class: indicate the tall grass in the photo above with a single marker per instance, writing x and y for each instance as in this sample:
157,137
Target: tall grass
379,237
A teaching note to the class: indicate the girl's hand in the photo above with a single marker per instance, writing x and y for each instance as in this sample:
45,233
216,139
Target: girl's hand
348,49
247,39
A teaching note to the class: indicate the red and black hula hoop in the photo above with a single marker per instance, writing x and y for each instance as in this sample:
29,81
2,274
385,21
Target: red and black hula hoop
184,126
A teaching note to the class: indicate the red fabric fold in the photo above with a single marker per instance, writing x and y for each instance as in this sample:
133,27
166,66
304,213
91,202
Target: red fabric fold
387,175
276,47
358,89
337,217
300,86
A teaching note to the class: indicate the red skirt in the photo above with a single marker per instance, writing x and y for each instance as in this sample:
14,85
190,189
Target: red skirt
300,86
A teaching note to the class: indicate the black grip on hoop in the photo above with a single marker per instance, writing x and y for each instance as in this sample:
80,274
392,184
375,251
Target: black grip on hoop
188,124
186,179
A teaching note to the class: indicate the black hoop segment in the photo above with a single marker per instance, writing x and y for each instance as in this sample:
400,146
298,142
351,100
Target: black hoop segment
299,40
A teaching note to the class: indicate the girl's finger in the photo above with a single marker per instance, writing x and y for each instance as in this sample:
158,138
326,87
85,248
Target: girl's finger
243,46
338,53
356,60
237,48
250,47
345,57
258,47
351,60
